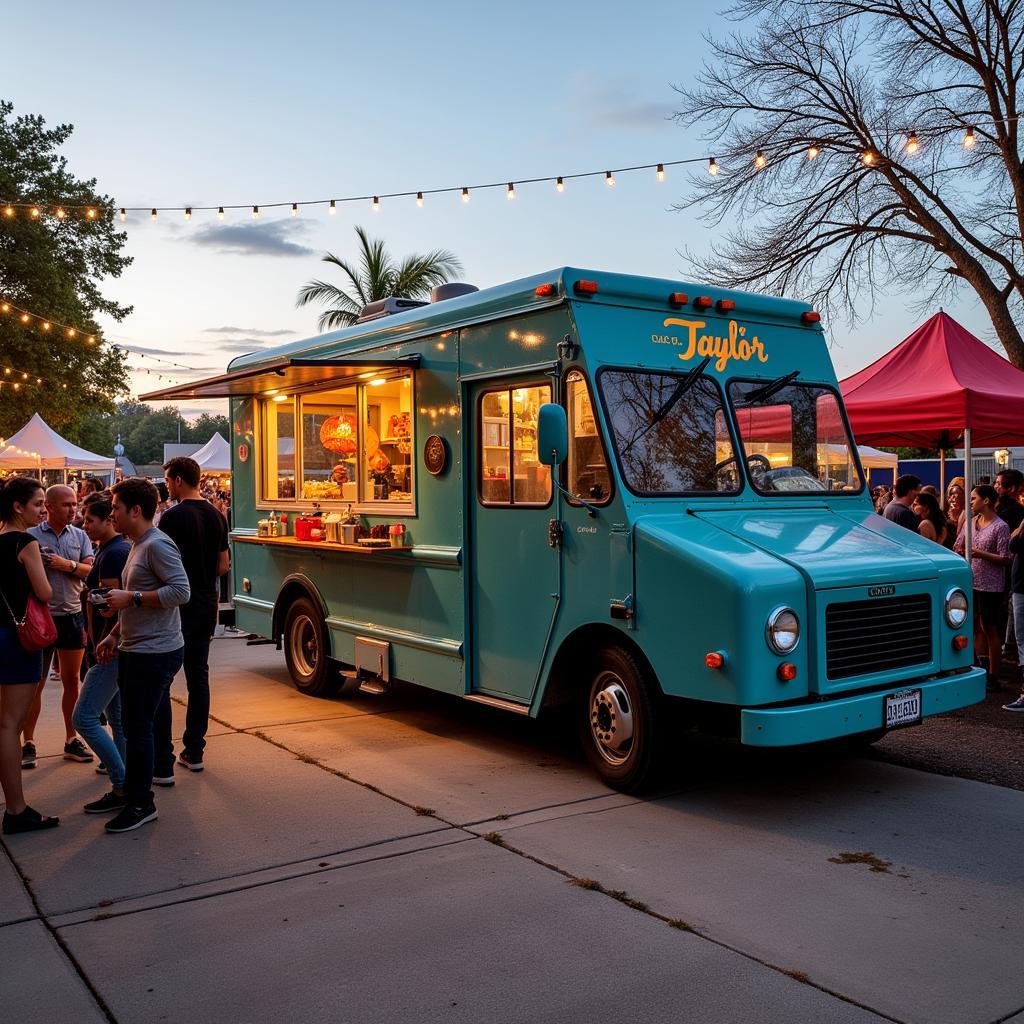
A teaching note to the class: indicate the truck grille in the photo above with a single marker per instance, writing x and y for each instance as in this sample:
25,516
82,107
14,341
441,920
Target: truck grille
872,636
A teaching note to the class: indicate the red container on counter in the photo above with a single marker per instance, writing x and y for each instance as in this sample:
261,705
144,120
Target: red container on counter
304,526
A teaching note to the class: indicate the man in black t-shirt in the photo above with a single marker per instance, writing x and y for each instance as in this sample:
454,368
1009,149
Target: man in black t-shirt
898,510
201,534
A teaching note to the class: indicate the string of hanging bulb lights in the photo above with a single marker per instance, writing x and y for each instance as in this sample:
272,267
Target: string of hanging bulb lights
869,157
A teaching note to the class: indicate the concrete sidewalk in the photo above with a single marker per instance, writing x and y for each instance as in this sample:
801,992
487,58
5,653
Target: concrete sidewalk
417,858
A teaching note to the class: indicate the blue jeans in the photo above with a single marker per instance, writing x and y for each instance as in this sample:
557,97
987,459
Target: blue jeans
145,680
1017,618
100,693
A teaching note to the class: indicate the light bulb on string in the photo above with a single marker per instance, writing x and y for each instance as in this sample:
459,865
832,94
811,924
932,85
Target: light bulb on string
333,208
152,214
295,209
8,210
220,213
255,213
659,173
712,167
559,184
71,332
5,308
812,152
510,192
188,213
868,157
25,318
123,215
970,139
465,194
46,325
60,213
375,205
35,212
419,199
912,145
760,160
91,213
609,179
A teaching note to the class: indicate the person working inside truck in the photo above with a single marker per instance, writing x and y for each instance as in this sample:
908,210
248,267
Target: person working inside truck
899,510
990,555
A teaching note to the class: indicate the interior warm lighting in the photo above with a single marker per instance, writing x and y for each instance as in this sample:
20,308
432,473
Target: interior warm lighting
368,375
970,139
912,145
273,391
377,381
280,398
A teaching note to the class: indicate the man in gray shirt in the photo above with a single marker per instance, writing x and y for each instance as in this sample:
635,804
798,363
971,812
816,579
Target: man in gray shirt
149,643
67,558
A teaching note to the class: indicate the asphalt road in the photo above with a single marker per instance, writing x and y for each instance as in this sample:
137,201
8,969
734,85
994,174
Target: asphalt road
414,857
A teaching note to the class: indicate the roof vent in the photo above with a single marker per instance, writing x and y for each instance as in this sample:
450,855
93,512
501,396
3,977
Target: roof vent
386,307
452,290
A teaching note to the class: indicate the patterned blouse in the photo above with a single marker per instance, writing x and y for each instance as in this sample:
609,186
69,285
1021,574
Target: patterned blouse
995,539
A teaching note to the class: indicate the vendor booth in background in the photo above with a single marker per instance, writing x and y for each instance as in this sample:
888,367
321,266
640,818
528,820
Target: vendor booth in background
39,450
937,388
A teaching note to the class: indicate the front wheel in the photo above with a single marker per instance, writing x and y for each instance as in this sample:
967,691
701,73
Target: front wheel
305,649
618,722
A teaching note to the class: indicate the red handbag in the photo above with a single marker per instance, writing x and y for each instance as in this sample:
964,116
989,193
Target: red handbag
36,630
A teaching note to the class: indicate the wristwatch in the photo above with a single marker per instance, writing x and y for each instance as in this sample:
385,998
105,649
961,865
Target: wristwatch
137,599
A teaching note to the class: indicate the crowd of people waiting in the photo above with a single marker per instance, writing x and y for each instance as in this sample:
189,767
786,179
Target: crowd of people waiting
131,604
997,555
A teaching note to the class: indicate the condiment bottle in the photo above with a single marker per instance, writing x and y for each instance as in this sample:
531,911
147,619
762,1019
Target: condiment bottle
284,524
274,528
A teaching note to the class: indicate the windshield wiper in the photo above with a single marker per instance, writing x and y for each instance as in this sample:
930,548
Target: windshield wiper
669,404
769,389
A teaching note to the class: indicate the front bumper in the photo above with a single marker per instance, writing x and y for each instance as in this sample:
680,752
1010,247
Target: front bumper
846,716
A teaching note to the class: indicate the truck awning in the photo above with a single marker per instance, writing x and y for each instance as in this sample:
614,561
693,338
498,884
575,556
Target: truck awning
291,374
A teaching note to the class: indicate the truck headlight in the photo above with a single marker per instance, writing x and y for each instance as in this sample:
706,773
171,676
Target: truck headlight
956,608
782,631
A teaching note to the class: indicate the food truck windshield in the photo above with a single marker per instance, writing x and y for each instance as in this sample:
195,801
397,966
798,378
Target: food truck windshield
790,435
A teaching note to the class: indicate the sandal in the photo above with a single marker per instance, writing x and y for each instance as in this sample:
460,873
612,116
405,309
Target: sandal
28,820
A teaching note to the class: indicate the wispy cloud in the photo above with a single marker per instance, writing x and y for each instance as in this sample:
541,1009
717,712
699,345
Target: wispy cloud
253,331
146,351
268,238
244,345
620,102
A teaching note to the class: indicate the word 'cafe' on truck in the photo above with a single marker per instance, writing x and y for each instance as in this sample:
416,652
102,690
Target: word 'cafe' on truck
590,489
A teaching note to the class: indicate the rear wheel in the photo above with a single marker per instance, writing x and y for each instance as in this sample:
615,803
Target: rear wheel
306,647
618,721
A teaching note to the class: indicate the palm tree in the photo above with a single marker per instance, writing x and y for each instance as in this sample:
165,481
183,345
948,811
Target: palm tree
378,276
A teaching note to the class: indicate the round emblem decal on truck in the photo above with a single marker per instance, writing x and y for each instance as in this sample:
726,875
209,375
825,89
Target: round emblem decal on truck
243,453
435,454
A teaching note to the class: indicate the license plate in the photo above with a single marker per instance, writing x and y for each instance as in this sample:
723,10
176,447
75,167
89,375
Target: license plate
903,708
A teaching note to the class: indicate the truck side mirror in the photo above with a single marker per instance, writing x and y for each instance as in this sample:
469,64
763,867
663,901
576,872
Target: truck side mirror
552,435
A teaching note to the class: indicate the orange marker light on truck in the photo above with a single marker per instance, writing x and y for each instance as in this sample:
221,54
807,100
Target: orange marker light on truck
714,659
811,317
703,302
543,291
678,299
786,671
725,305
959,643
585,287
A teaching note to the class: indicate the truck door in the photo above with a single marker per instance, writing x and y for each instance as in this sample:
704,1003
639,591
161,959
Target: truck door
513,570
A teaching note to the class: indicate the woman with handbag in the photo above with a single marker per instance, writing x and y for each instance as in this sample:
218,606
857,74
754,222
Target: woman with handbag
24,590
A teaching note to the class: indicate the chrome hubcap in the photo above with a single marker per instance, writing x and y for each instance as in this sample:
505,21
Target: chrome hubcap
611,718
305,645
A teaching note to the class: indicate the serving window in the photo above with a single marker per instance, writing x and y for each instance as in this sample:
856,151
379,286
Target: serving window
511,472
587,471
351,444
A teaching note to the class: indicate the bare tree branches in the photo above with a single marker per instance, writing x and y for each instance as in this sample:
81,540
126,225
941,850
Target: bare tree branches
850,78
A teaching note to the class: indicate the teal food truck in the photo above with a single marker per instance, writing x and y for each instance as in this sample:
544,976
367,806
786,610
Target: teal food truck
612,492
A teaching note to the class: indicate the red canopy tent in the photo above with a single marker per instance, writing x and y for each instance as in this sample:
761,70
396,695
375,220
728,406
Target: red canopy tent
935,387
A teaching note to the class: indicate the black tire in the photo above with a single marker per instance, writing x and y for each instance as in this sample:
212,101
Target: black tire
306,647
619,720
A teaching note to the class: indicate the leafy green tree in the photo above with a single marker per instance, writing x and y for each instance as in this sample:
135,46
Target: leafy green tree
53,267
206,425
376,276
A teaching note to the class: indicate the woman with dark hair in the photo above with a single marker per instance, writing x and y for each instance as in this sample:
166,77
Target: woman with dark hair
21,574
990,555
932,523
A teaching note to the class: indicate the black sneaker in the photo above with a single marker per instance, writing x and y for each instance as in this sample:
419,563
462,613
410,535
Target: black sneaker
28,755
163,780
28,820
76,750
108,802
101,769
193,762
131,818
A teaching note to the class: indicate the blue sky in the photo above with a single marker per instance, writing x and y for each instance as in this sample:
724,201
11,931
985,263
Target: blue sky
208,104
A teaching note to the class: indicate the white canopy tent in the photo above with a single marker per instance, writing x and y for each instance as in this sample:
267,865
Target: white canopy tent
214,456
37,446
872,458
